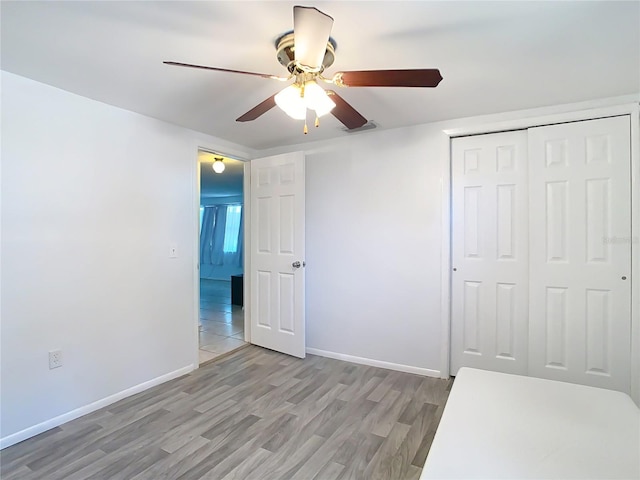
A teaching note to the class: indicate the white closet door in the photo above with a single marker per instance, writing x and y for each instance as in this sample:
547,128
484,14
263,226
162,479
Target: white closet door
580,312
489,252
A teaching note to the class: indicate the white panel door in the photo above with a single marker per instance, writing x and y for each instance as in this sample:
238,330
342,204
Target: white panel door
489,252
277,253
580,249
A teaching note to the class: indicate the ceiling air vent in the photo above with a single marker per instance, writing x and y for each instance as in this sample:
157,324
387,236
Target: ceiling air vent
370,125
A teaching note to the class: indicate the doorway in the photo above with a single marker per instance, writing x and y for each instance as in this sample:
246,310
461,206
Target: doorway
221,253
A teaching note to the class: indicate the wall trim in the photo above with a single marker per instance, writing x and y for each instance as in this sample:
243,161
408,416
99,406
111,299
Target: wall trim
635,253
246,279
195,217
425,372
445,265
92,407
482,128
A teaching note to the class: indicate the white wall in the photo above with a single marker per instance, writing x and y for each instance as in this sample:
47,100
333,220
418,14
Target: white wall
376,237
92,197
373,246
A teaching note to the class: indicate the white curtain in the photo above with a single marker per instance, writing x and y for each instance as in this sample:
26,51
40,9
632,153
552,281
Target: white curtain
221,246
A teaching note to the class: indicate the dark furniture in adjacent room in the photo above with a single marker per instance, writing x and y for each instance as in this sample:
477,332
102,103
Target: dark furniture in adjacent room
237,293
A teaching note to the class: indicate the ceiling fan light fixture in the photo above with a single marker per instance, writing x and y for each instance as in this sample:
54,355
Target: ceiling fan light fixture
316,98
291,102
295,100
218,165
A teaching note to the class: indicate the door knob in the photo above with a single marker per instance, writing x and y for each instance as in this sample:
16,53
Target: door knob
296,264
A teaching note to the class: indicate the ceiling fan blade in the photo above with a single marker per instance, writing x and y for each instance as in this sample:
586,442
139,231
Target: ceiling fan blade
263,75
344,112
311,30
428,77
258,110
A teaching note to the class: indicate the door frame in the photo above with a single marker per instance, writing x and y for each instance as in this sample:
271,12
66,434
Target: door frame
246,183
480,127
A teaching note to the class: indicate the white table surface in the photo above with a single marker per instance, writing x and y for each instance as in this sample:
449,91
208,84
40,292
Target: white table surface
497,425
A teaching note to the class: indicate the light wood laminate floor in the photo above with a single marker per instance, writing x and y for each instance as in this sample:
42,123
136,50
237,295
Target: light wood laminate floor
254,414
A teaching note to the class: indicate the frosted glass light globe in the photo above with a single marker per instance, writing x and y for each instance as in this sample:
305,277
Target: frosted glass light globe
218,166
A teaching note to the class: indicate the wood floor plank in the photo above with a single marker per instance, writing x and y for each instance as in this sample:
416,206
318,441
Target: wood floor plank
387,420
53,451
180,435
64,468
287,429
160,468
413,473
381,390
274,400
423,450
19,453
21,473
347,453
126,464
194,453
433,390
254,414
203,401
357,453
252,461
235,454
379,466
129,433
412,411
399,465
226,441
331,471
283,467
344,426
307,409
362,385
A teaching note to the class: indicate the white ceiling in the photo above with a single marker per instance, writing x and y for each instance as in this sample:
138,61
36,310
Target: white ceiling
494,57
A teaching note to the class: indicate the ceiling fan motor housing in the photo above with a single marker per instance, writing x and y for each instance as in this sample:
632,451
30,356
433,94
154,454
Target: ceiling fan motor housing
286,57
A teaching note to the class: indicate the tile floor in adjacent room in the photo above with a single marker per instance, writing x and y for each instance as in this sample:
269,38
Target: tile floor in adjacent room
221,323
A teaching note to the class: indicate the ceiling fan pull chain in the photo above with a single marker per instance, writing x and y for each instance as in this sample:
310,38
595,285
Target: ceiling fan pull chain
317,121
306,130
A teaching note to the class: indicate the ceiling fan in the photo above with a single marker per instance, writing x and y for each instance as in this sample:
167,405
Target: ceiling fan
306,52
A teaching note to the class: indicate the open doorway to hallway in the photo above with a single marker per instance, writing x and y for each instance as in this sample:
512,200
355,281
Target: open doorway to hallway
221,321
221,324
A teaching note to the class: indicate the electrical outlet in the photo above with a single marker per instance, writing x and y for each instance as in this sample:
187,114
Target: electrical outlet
55,359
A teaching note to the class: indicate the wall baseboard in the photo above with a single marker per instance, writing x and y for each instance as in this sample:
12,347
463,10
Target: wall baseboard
426,372
92,407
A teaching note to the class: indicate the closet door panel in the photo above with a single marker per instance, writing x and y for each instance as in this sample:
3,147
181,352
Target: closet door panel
489,252
580,250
